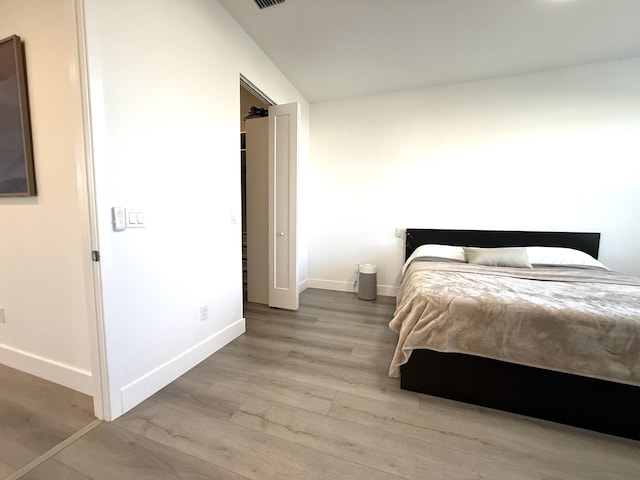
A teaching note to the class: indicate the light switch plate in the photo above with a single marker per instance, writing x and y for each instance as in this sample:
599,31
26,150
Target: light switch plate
135,218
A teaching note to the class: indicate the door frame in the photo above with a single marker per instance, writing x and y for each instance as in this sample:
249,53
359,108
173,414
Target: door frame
95,317
246,83
293,172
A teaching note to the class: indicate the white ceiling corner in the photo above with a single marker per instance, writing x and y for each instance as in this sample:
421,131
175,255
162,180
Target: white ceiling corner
333,49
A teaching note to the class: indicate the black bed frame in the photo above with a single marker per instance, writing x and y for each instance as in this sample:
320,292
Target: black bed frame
599,405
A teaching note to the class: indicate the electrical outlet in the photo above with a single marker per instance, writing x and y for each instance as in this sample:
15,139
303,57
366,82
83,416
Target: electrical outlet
204,312
2,319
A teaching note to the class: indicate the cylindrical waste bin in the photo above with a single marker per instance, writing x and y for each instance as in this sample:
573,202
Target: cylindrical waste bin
367,282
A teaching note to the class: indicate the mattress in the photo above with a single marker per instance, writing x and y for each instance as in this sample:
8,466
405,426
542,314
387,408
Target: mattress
574,320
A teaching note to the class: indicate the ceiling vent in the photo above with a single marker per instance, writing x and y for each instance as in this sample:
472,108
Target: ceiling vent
267,3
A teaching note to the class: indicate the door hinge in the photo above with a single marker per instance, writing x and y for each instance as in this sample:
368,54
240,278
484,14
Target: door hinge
95,255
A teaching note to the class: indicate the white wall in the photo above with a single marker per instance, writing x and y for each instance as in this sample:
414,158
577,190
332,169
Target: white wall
556,150
45,268
164,78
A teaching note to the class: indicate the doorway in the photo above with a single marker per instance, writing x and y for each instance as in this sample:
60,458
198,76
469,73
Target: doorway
269,165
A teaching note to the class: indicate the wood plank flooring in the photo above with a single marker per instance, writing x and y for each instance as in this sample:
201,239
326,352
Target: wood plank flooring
305,395
35,416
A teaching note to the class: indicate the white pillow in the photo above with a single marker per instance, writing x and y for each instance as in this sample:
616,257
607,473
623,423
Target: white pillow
438,253
498,256
562,256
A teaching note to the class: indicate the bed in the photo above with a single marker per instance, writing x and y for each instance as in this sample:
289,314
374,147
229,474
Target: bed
585,388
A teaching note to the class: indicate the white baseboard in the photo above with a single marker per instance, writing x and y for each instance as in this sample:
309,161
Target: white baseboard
385,290
331,285
145,386
388,290
303,285
71,377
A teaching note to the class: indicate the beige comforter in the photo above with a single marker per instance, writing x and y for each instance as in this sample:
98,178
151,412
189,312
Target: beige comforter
578,321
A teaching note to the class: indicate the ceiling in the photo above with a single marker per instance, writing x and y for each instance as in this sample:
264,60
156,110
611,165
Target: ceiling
333,49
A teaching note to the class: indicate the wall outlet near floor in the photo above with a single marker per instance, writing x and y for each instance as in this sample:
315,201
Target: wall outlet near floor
2,319
204,312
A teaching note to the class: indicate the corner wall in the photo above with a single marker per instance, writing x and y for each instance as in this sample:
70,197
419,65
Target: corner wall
556,150
45,267
164,80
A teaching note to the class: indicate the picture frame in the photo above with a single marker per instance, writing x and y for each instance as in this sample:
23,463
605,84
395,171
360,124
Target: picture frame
17,175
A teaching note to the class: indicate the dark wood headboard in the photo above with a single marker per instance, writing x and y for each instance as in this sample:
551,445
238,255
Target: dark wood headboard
586,242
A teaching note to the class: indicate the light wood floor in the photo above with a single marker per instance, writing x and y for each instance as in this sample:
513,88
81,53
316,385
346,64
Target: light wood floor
305,395
35,416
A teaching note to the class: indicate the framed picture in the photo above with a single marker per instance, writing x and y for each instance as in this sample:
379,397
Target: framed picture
17,177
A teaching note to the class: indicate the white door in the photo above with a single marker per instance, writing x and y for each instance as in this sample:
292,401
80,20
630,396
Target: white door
283,189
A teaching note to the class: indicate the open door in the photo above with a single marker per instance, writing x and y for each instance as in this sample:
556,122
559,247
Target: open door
283,189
